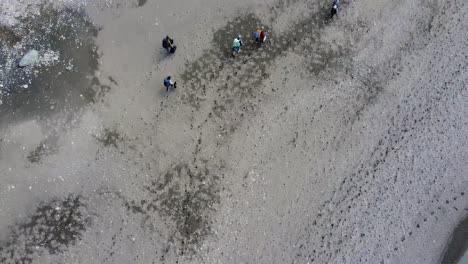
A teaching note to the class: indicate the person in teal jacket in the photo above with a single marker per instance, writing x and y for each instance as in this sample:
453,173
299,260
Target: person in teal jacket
236,44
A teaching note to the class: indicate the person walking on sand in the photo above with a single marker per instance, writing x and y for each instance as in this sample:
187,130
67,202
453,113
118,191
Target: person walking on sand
169,83
334,9
260,35
168,44
236,45
256,35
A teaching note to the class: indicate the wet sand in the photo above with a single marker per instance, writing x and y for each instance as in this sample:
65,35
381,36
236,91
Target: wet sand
338,141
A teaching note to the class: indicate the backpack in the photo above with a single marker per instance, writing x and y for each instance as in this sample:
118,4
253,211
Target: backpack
164,43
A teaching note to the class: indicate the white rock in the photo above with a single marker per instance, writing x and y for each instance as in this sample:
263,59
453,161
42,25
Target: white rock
31,58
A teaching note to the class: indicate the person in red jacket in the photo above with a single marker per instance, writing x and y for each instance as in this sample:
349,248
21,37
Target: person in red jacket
262,35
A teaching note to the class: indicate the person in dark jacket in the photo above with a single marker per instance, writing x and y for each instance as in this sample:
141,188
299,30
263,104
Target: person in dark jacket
334,9
168,44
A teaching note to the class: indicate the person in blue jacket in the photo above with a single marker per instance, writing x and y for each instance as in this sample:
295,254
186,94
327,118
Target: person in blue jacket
169,83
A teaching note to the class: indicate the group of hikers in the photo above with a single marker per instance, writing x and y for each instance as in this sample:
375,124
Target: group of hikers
168,44
259,37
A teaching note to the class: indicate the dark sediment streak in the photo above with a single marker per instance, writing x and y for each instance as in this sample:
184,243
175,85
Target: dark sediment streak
458,244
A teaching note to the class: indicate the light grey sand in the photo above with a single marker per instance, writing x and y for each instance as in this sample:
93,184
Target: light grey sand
337,142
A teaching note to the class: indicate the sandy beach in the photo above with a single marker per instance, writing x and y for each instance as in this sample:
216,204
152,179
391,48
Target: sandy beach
339,140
